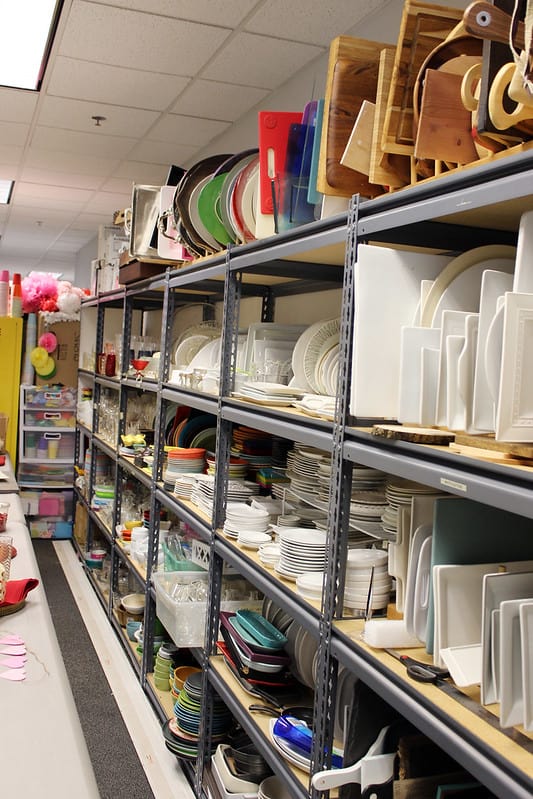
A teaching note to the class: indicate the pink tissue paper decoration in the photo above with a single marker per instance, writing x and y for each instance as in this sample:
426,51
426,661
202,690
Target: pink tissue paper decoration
48,341
39,292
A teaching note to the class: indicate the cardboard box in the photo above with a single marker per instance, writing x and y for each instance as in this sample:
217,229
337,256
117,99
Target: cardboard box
66,355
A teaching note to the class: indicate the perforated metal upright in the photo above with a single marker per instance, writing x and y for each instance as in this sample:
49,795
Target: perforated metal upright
230,329
338,525
157,468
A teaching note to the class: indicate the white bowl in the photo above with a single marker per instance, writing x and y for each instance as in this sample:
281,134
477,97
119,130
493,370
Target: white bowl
133,603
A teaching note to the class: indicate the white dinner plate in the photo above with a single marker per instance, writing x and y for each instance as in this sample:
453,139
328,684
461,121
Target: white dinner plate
457,287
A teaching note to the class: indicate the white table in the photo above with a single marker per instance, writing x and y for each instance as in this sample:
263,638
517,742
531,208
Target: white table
42,751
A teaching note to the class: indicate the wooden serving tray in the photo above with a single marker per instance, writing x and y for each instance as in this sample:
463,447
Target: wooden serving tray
352,78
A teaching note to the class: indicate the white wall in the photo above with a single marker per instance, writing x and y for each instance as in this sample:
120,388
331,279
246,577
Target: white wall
308,84
82,270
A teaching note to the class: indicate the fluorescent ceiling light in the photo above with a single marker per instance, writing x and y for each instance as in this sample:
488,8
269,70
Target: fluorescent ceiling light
6,187
27,31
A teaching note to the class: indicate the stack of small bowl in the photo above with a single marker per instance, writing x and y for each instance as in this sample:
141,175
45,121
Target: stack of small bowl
179,675
368,584
164,665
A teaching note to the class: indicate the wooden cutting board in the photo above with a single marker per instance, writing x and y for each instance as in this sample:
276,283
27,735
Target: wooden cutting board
387,169
422,28
488,442
444,126
352,78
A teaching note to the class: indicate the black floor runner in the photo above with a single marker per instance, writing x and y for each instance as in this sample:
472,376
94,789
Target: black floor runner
116,765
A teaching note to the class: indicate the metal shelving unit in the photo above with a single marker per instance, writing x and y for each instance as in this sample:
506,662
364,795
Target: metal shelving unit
475,206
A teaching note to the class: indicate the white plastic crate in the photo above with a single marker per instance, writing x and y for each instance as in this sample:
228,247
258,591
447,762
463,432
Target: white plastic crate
200,556
185,621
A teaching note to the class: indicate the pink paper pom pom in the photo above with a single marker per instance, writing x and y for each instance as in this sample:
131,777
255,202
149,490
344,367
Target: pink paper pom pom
48,341
39,292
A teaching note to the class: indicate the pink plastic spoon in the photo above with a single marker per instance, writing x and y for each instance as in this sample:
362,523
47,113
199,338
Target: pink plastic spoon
15,675
13,650
11,640
16,662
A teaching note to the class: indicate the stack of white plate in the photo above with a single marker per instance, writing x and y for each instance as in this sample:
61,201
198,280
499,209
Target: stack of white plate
368,504
188,348
251,539
315,357
302,550
397,521
303,470
365,477
238,490
269,393
310,585
366,570
185,484
269,554
289,520
240,516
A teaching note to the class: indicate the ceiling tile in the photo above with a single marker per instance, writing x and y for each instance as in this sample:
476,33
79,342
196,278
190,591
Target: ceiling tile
218,100
186,130
8,172
101,83
114,35
53,204
76,238
104,202
228,14
43,214
13,133
62,112
268,62
158,152
90,222
151,174
335,17
17,105
118,185
62,246
77,142
31,175
40,191
83,163
10,155
18,237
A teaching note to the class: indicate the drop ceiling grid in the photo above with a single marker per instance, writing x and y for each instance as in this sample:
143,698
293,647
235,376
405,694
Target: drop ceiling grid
170,77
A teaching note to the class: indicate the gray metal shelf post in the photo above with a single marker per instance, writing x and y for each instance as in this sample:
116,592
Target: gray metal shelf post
338,525
230,329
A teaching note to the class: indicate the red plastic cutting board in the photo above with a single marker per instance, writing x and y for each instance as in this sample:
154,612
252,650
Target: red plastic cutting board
273,135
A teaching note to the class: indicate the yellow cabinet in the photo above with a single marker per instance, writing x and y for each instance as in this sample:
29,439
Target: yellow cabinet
10,360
